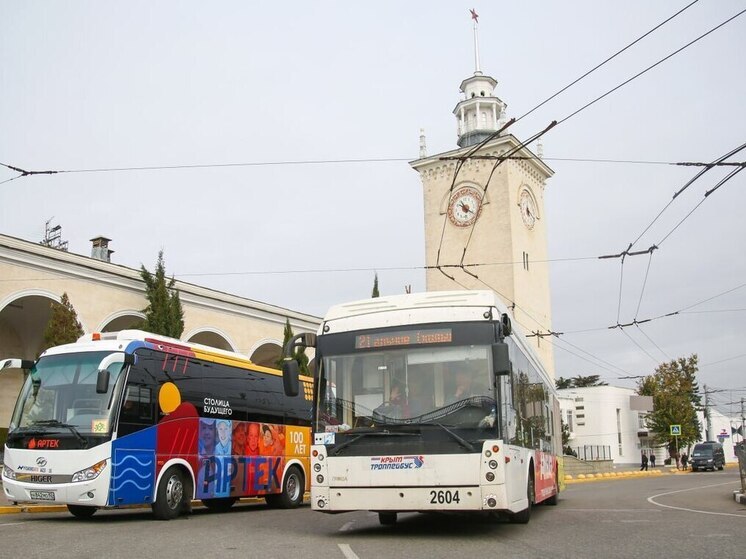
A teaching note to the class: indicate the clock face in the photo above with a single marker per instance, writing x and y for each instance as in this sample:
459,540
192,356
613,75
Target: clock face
527,204
465,206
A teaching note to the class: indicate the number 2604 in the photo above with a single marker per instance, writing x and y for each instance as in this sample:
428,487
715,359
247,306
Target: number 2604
444,497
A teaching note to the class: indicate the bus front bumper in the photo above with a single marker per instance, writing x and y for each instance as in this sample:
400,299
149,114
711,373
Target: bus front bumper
93,493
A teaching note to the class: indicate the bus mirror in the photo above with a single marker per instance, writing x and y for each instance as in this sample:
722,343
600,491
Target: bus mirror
309,339
24,364
500,358
507,326
306,339
290,372
102,381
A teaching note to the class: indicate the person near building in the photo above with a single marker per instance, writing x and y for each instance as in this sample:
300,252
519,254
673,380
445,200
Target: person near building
652,459
644,464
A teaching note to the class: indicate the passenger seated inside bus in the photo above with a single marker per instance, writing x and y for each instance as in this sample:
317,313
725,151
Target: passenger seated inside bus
394,406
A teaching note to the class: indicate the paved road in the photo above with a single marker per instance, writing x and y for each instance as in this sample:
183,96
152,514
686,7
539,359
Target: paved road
678,516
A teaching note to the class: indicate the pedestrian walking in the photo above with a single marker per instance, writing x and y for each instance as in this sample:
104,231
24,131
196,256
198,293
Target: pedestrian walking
644,465
684,461
652,459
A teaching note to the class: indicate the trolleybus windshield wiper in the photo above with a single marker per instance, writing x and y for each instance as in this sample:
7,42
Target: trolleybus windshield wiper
359,436
458,438
56,423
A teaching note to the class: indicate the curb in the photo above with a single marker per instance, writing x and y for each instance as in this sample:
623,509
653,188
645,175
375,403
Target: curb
584,478
32,508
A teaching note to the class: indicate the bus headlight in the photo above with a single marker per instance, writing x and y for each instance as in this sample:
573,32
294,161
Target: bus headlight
89,473
9,473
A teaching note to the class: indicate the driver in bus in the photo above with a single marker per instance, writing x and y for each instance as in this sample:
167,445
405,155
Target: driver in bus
463,387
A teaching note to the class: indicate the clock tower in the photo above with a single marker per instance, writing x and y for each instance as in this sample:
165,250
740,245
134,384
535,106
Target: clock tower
485,225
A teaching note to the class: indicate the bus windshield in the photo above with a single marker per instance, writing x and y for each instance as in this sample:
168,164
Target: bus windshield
60,394
449,386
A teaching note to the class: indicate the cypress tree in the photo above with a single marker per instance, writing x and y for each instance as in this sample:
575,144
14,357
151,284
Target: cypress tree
63,326
164,314
299,354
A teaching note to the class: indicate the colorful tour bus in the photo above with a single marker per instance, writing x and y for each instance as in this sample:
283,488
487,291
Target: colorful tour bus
132,418
429,402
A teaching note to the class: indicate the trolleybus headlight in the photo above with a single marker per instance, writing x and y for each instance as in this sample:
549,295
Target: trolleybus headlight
317,467
9,473
314,453
493,464
490,476
488,453
321,457
491,502
321,503
320,478
89,473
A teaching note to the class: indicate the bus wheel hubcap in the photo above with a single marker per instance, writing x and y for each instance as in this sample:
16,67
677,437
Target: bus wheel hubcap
293,487
174,492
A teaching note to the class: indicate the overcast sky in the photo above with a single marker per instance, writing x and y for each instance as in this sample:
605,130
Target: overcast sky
102,85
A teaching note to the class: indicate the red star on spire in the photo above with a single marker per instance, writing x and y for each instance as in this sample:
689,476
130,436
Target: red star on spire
474,16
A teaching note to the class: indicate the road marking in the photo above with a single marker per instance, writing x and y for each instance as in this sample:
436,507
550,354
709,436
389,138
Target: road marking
347,526
652,501
11,523
347,551
563,509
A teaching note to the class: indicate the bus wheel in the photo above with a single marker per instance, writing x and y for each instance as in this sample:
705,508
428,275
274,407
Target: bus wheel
387,518
292,491
171,495
523,516
219,505
81,511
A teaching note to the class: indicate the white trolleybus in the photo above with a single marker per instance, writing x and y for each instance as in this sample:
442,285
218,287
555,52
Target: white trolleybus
429,402
131,418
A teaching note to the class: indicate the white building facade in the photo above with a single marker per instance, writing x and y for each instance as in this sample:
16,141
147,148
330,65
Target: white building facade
608,423
604,424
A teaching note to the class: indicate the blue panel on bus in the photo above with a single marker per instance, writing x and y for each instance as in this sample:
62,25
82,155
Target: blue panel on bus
133,468
136,344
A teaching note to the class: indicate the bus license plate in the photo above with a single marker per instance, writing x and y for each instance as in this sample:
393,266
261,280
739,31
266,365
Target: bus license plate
447,497
42,495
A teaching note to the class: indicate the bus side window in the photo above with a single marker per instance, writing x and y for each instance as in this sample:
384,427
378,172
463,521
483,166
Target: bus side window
137,409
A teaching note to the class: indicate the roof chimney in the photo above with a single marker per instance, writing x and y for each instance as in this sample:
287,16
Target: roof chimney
100,249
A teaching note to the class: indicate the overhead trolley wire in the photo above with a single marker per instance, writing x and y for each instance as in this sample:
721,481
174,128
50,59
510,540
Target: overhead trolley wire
609,59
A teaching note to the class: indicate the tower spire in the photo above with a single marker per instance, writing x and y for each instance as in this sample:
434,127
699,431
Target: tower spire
475,17
479,113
